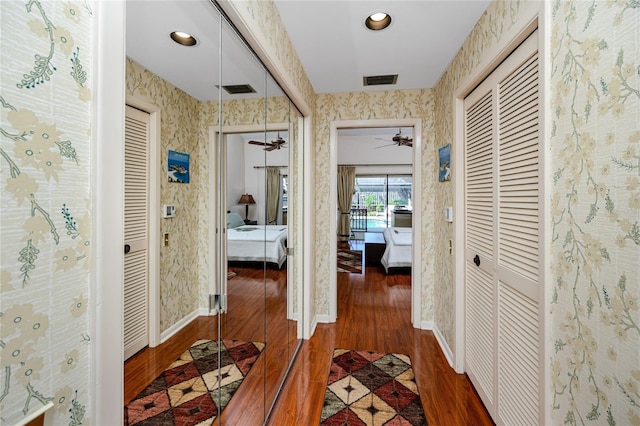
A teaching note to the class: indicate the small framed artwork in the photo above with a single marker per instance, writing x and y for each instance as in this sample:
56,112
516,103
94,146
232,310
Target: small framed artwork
178,167
444,163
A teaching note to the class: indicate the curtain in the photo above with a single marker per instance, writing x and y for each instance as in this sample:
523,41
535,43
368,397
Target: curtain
346,183
273,194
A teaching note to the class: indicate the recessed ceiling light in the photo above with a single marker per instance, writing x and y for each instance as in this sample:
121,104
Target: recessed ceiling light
378,21
183,38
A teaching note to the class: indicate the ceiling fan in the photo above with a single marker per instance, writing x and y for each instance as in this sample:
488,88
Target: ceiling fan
270,146
399,139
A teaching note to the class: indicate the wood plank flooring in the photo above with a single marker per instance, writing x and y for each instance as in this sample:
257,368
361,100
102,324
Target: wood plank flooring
373,314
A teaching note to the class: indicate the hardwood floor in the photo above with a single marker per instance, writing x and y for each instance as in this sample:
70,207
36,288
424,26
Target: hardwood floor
256,312
373,314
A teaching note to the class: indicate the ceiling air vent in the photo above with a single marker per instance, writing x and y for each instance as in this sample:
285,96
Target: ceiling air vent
376,80
239,89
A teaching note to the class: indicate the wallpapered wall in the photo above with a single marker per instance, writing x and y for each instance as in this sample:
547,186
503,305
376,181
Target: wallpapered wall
595,211
499,18
373,106
595,337
179,261
45,158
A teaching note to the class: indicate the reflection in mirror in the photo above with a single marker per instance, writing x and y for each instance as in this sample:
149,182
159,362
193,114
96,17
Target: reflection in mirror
234,139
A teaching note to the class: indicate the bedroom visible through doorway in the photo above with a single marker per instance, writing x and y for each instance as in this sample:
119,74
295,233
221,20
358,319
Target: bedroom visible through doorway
383,154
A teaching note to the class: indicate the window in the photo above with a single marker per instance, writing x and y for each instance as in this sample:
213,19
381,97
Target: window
381,195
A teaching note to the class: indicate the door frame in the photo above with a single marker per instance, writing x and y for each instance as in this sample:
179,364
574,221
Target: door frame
217,215
153,224
534,15
416,272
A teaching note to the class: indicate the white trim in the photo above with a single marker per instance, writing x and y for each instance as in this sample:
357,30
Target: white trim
106,387
155,138
446,350
32,416
544,58
528,19
426,325
323,319
179,325
308,210
416,271
262,48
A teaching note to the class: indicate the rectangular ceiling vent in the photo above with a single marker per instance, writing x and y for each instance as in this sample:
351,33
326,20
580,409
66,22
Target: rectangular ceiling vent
376,80
238,89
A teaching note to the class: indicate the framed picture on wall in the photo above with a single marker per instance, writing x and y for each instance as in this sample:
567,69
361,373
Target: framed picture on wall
178,167
444,163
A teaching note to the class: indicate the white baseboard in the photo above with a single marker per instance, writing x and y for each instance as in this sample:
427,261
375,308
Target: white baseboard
446,350
325,319
426,325
168,333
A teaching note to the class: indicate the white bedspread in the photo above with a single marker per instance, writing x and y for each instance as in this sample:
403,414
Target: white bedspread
398,253
257,243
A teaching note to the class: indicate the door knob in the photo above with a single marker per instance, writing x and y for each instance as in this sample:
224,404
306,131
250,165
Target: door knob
127,248
476,260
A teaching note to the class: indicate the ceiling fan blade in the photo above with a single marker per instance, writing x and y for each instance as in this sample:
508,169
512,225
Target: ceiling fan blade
383,139
259,143
271,147
384,146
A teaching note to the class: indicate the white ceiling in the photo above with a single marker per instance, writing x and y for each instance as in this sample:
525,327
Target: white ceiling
335,48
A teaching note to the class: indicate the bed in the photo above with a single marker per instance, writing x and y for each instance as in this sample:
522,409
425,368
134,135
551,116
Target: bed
397,253
255,243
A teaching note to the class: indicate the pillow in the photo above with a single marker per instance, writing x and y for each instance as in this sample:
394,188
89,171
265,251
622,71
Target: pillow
234,220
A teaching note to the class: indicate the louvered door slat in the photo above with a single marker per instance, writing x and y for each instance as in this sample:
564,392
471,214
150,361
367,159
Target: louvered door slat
502,226
518,347
136,208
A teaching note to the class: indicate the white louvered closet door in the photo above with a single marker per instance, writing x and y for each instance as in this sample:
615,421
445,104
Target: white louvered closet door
503,290
136,235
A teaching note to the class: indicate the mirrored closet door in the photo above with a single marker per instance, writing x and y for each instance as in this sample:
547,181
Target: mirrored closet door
237,220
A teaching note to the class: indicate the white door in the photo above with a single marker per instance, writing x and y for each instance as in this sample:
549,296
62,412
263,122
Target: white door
136,232
502,275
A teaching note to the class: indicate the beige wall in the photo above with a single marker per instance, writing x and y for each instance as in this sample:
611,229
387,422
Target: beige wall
375,105
499,19
179,132
595,211
594,277
45,218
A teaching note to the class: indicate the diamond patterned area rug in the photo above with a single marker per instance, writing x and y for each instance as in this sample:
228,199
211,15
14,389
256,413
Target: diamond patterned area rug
187,392
350,261
369,388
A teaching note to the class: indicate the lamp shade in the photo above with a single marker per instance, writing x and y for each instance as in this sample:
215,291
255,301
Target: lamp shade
246,199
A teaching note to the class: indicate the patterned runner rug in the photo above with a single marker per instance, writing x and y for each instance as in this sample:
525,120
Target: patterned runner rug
187,393
350,261
369,388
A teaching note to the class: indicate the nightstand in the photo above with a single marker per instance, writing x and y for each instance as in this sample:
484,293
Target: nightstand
250,222
374,246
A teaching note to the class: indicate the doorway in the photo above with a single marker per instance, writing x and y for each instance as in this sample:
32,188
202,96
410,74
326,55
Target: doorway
416,273
141,298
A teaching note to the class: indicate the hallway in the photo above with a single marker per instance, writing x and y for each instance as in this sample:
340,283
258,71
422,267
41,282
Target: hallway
374,312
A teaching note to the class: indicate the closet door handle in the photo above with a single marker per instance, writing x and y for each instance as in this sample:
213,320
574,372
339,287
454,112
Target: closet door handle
476,260
127,248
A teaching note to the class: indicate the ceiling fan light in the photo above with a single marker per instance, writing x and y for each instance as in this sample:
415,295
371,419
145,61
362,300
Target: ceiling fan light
378,21
183,38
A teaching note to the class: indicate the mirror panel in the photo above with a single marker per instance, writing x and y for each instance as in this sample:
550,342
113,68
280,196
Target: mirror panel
233,141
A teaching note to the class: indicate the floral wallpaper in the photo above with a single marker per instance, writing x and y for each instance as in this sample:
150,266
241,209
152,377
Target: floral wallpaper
263,18
373,105
179,261
45,218
595,82
595,212
499,17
